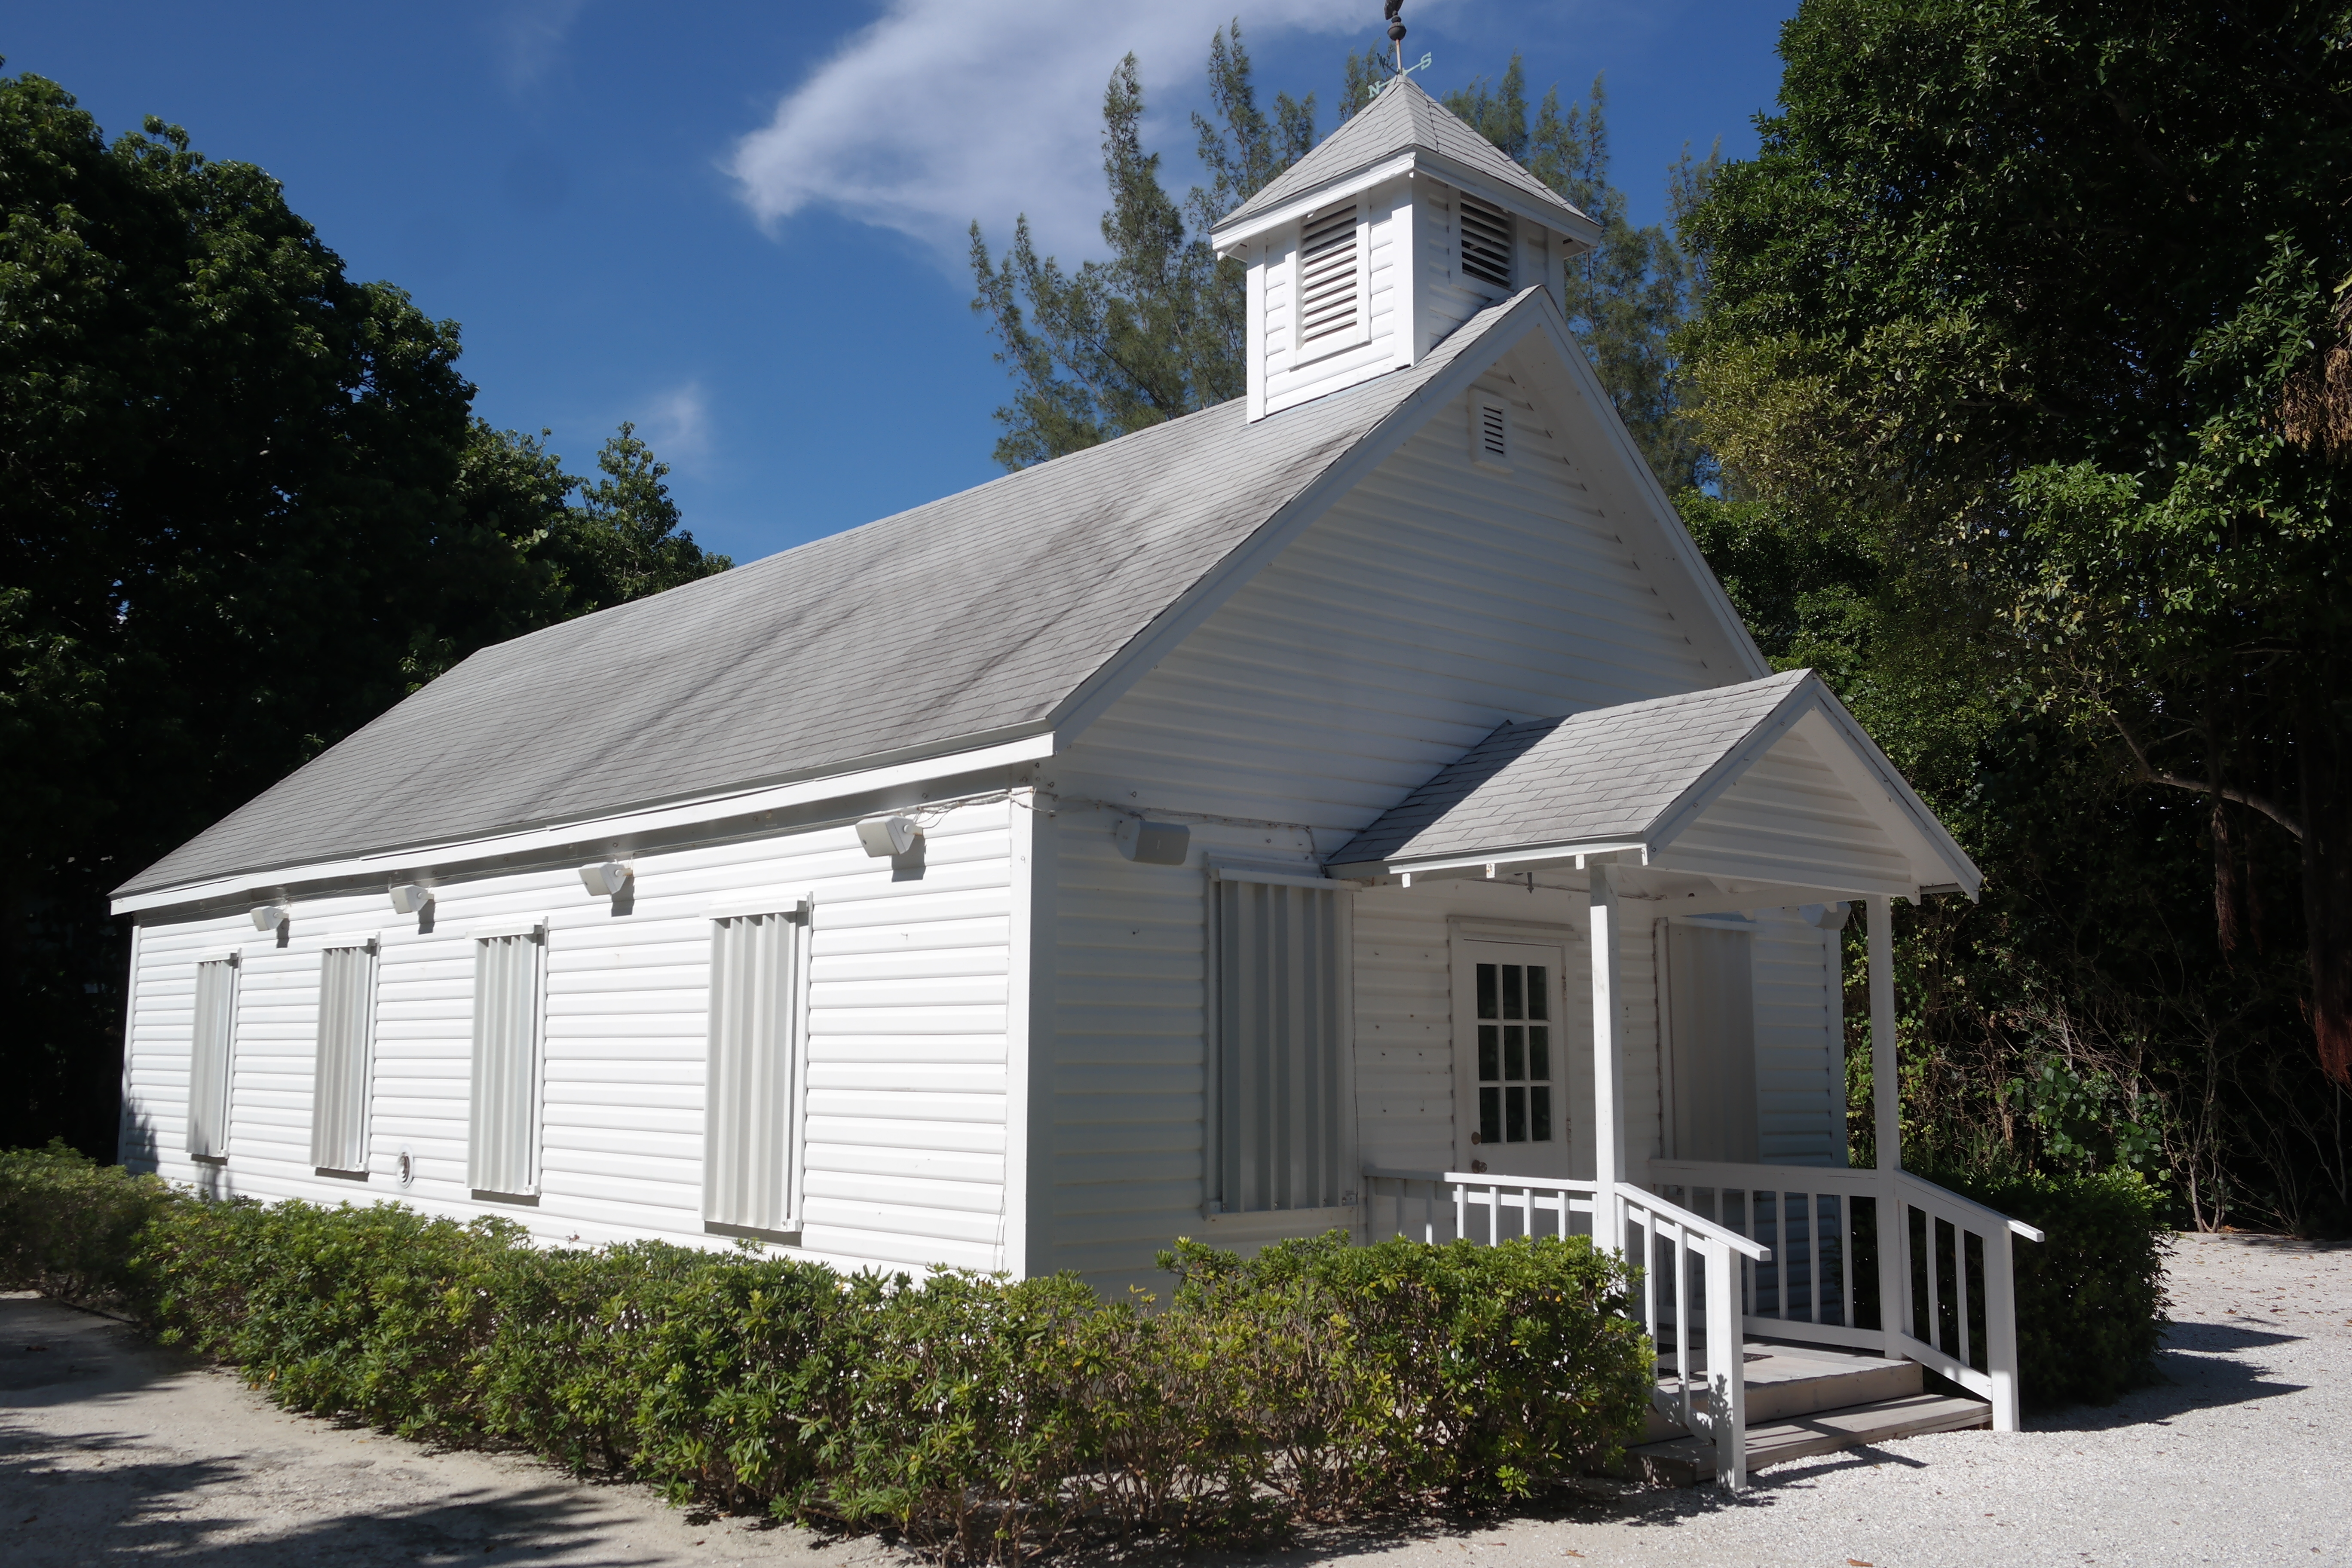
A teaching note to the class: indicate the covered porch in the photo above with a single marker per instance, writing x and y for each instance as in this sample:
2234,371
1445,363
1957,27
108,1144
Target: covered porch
1631,903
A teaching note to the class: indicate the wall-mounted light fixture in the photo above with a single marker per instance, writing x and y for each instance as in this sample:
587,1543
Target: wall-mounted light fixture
606,878
1153,842
408,899
888,836
1829,917
270,917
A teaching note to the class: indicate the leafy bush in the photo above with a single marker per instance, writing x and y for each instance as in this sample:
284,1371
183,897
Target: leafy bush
971,1416
69,1226
2090,1297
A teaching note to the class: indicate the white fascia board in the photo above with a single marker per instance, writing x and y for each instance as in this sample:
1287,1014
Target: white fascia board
1626,489
655,819
1419,161
1578,851
1094,696
1876,781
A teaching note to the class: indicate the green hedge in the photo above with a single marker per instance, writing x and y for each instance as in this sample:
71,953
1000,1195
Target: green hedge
971,1416
2089,1295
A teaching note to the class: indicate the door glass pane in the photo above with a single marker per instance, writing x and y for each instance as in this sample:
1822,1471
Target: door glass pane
1514,1058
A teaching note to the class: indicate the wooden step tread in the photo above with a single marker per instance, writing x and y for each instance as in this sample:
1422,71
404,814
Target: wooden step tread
1684,1461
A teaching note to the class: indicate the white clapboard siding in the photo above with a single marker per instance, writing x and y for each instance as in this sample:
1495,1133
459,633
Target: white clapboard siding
1433,602
1788,819
1799,1041
340,1081
905,1129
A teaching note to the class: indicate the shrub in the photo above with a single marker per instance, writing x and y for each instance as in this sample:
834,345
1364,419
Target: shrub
973,1415
2090,1297
68,1225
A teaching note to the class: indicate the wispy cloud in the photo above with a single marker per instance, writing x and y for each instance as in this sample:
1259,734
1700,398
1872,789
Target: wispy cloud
532,34
945,111
676,425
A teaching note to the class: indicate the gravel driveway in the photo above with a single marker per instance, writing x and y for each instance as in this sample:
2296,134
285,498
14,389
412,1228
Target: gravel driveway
112,1450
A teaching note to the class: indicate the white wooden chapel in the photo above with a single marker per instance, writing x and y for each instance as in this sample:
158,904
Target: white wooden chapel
1366,775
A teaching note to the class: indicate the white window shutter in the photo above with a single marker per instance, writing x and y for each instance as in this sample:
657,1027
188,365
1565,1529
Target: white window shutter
750,1137
1282,1112
210,1064
502,1120
339,1093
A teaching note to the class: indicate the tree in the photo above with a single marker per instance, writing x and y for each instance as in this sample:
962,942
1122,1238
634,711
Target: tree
1157,331
2031,306
243,510
622,542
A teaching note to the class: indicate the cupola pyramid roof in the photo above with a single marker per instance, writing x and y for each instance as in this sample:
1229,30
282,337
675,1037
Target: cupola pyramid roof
1403,118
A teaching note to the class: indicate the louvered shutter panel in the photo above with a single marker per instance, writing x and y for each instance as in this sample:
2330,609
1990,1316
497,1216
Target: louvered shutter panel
1485,242
1328,289
346,1033
211,1048
748,1139
502,1122
1281,1114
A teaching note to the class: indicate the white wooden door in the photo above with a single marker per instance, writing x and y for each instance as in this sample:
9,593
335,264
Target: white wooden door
1511,1058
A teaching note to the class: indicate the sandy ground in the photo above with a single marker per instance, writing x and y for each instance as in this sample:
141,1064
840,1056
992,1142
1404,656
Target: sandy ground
110,1449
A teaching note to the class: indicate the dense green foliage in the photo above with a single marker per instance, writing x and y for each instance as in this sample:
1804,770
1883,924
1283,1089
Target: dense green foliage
1156,331
244,508
2022,356
970,1416
2090,1294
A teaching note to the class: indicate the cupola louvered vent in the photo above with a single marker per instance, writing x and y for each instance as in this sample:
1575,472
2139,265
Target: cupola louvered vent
1327,285
1485,242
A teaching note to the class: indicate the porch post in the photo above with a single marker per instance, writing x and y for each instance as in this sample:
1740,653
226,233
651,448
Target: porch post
1608,1063
1886,1088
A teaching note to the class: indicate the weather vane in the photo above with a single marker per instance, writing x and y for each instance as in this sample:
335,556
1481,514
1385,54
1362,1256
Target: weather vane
1397,69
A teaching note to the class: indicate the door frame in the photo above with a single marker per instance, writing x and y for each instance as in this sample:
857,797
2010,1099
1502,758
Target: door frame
1559,938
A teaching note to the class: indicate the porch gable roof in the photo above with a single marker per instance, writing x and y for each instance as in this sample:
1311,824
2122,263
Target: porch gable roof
1633,777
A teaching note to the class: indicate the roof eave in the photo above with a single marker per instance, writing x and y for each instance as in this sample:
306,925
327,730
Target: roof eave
1237,231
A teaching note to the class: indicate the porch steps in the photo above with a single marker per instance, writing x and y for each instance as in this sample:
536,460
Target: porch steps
1804,1400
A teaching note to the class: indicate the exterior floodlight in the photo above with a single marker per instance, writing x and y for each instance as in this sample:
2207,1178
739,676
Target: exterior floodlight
408,899
888,835
605,878
1153,842
270,917
1829,917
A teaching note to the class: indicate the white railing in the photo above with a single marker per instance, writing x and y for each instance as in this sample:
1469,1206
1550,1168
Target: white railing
1675,1297
1951,1312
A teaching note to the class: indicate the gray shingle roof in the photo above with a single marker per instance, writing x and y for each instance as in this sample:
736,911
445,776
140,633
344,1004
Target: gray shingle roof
1612,774
970,620
1402,116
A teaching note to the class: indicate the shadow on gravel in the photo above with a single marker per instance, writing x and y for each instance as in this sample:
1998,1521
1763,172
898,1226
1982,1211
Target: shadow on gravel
2194,1370
93,1499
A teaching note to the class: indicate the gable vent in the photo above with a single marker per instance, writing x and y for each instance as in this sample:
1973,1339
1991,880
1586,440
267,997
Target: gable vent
1327,276
1485,242
1493,431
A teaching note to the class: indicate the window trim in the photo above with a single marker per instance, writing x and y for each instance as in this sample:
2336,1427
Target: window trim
362,1071
798,919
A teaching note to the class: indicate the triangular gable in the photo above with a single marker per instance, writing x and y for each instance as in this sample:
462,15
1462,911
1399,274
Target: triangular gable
1770,781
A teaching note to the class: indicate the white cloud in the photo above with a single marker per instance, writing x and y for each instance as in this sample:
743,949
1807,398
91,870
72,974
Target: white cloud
532,33
677,426
945,111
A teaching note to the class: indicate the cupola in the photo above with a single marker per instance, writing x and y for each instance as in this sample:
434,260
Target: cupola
1399,227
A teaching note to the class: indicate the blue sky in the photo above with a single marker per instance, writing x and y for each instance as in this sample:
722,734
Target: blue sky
742,226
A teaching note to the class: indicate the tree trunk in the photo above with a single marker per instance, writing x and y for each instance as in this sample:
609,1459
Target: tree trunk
2327,887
